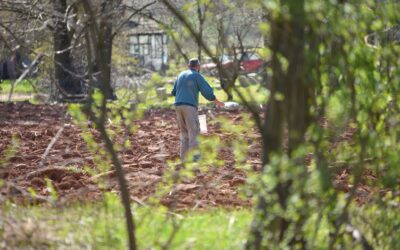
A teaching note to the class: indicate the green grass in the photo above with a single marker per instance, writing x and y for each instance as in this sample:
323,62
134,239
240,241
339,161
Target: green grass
23,87
101,226
252,93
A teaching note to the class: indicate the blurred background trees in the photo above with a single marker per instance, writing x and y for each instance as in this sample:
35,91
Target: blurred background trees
331,70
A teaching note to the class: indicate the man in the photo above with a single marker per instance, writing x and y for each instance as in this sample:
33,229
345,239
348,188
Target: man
186,91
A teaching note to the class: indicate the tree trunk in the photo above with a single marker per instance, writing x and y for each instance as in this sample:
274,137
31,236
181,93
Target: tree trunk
288,104
225,81
298,89
201,18
264,74
224,74
63,63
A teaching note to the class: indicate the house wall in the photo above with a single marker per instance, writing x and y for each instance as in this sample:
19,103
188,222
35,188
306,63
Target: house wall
150,49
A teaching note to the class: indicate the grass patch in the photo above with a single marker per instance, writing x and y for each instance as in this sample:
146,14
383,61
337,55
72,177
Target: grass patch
252,93
23,87
101,226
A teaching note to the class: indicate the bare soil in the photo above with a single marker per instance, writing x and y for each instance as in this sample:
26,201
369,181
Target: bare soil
155,142
153,145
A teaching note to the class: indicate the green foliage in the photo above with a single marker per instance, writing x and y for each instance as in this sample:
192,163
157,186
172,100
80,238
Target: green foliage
174,68
380,222
156,80
356,88
9,152
51,189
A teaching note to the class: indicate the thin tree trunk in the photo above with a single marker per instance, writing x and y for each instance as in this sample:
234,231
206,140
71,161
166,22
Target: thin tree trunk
105,46
225,75
200,16
100,36
264,74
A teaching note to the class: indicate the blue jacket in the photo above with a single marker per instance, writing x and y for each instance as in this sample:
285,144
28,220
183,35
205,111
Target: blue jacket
187,87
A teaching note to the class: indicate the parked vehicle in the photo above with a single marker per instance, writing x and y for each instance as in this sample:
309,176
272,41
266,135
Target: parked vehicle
209,67
248,63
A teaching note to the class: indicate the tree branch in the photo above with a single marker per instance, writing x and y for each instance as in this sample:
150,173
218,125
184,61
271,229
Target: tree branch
120,26
24,74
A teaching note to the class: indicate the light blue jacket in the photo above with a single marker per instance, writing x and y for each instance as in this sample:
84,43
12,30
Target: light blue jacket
187,87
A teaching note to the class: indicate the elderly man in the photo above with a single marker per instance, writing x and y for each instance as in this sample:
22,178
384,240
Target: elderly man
186,91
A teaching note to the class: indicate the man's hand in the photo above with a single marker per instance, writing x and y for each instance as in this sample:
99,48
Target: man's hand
219,104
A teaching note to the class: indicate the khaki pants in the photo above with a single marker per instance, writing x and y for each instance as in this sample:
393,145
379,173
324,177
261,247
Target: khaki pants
188,122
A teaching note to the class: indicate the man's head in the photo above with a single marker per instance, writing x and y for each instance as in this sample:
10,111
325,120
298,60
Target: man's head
194,63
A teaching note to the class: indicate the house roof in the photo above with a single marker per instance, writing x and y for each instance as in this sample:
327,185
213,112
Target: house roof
144,27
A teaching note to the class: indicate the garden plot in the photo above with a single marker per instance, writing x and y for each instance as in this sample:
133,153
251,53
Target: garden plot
61,170
153,145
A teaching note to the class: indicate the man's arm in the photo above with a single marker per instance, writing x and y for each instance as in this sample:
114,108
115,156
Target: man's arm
205,88
219,103
207,91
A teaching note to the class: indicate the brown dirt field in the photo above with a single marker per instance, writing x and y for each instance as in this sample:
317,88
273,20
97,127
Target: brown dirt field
155,142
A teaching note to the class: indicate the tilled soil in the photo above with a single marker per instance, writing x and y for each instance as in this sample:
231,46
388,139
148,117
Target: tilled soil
31,128
27,130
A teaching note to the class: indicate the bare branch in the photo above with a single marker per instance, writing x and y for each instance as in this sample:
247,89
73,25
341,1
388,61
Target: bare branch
120,26
24,74
50,146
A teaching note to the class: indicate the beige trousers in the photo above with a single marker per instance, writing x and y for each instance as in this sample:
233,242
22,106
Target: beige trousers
188,122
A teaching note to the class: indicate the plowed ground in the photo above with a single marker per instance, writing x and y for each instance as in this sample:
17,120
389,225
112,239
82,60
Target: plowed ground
154,143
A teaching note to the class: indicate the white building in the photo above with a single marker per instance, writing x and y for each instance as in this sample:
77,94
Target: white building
148,43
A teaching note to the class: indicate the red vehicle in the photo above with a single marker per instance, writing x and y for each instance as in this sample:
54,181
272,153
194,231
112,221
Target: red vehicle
211,68
249,63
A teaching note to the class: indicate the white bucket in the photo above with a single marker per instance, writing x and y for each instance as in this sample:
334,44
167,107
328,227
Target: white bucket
203,124
231,105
